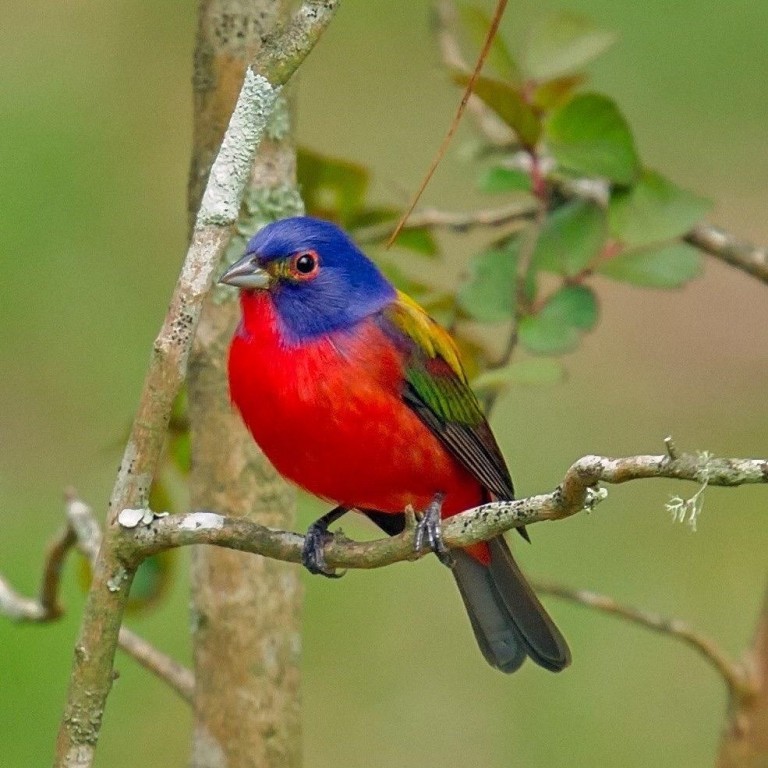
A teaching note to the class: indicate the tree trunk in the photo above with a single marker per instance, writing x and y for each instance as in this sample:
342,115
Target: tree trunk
245,609
745,739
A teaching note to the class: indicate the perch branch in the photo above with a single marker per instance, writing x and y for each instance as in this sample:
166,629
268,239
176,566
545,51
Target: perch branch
95,649
578,491
740,685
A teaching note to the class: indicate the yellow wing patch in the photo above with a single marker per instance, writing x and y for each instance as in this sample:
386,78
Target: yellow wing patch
412,320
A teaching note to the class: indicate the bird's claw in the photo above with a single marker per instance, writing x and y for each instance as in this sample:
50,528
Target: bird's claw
428,531
312,557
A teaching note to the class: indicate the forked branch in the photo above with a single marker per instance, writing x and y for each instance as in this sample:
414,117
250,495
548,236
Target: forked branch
83,533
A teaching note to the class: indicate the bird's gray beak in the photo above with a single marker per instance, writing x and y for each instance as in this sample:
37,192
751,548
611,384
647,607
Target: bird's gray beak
246,273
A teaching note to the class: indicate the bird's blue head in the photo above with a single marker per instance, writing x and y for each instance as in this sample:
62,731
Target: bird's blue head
318,279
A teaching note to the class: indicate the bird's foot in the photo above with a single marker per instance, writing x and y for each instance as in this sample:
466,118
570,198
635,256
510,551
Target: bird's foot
312,557
428,531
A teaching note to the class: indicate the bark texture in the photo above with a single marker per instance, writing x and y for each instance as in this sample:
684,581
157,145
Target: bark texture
245,609
745,741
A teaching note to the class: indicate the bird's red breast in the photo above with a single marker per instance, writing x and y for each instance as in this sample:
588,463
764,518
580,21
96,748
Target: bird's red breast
328,413
357,395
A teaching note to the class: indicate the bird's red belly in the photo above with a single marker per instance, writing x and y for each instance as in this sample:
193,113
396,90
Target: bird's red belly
334,423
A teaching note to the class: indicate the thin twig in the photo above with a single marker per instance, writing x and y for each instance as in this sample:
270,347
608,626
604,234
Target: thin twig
428,218
714,241
54,562
491,397
83,532
492,127
176,675
722,245
744,737
19,608
740,685
483,55
46,607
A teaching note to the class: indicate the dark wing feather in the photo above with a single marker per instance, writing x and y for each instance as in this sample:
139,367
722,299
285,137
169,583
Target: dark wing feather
436,389
472,444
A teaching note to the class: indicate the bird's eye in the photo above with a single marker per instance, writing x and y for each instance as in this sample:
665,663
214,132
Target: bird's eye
304,265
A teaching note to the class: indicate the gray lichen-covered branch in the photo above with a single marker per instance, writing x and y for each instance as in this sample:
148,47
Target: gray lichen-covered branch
281,53
95,649
140,533
578,491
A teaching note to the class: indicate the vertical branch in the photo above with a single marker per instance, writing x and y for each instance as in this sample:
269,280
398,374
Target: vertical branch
246,610
745,739
91,678
92,671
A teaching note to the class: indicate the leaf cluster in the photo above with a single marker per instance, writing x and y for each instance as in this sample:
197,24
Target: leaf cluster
595,209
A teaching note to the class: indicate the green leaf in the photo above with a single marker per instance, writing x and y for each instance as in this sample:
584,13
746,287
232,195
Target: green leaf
476,23
508,103
564,42
332,188
553,93
574,305
654,209
547,335
535,371
498,179
572,236
420,240
589,136
558,325
666,266
368,217
490,294
530,283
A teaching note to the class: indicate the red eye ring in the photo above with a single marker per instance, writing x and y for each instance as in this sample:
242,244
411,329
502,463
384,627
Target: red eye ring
304,265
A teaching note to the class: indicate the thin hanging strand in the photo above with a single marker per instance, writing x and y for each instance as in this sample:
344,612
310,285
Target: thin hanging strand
497,14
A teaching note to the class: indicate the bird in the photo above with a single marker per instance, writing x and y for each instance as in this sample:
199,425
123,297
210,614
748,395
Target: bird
355,394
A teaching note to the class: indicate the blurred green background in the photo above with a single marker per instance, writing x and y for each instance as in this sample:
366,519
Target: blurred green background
94,142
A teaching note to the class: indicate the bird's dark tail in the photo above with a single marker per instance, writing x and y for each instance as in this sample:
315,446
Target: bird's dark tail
508,620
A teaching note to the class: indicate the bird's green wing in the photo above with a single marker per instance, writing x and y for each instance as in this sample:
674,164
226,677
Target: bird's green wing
436,389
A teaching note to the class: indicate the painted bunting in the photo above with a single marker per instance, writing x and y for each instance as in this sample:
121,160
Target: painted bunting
355,394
